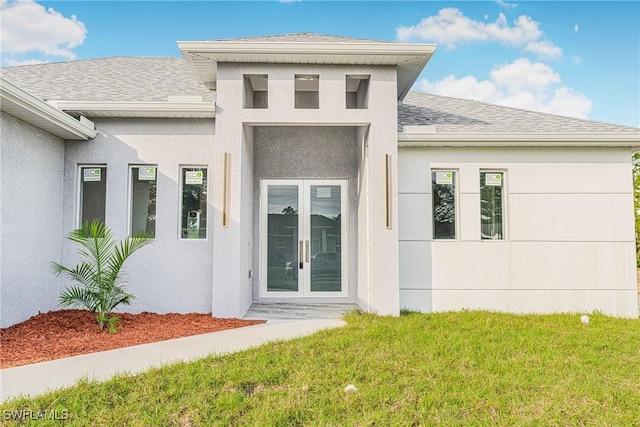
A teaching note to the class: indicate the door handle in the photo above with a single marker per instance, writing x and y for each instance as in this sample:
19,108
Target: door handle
301,255
307,247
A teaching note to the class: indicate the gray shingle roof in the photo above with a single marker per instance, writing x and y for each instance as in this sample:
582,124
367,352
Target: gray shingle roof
304,38
154,79
108,79
454,115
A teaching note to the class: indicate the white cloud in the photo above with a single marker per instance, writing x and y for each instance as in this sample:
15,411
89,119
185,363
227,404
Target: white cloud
506,5
568,102
486,16
451,28
520,84
544,48
29,28
522,74
12,62
576,28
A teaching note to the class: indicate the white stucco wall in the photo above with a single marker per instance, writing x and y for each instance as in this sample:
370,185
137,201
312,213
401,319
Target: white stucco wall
380,292
31,170
172,274
569,226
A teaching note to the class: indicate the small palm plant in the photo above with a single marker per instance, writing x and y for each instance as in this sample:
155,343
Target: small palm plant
97,287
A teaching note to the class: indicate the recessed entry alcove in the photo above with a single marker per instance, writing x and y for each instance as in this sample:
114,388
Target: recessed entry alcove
307,153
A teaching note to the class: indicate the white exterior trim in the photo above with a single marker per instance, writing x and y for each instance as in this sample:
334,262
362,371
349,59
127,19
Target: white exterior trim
33,110
409,58
161,109
433,139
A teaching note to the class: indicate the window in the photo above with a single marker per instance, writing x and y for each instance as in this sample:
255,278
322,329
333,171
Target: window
444,204
256,91
491,205
143,199
307,91
357,91
194,203
93,193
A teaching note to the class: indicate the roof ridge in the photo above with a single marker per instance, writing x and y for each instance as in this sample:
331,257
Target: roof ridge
542,113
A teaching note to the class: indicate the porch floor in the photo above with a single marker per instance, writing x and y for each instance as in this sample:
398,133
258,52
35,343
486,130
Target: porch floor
294,310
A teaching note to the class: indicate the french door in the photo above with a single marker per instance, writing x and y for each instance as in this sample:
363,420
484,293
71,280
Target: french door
303,238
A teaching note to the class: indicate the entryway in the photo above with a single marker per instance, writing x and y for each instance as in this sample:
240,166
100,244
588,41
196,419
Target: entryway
303,226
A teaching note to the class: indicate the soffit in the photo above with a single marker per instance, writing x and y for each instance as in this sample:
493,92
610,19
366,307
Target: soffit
409,58
26,107
167,109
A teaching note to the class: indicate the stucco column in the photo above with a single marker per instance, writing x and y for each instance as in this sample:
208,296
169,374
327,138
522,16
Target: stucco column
382,242
379,287
231,242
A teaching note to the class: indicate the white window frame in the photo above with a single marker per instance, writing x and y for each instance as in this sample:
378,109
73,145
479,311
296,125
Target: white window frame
505,207
456,198
181,182
79,193
130,196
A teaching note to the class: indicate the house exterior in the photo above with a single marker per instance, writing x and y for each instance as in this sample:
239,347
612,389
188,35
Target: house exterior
302,168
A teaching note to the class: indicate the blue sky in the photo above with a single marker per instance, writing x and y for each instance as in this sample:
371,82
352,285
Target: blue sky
577,58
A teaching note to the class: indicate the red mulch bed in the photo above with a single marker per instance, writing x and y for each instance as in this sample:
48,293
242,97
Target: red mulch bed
65,333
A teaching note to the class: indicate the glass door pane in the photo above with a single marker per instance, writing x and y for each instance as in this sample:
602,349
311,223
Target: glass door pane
325,218
282,238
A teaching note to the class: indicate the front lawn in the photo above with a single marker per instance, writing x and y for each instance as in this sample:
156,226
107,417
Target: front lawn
464,368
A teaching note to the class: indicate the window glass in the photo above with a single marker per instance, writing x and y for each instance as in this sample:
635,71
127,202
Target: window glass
93,193
491,205
444,204
194,203
143,199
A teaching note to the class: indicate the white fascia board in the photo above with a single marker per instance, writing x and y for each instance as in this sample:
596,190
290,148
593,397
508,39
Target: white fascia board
307,48
278,50
29,107
631,140
159,108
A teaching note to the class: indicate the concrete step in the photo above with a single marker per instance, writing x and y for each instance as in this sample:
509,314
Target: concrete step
296,310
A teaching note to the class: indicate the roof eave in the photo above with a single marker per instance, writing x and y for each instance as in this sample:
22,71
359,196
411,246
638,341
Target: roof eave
306,48
148,109
269,52
33,110
630,140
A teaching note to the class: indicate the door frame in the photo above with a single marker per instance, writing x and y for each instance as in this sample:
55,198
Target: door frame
304,233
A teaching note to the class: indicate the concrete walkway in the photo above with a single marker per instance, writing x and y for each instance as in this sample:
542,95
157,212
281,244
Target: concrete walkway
46,376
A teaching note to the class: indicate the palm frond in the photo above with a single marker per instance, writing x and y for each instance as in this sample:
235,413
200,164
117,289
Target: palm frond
96,277
79,297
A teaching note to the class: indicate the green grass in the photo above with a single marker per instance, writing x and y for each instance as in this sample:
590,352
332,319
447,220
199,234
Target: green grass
464,368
